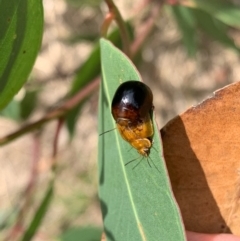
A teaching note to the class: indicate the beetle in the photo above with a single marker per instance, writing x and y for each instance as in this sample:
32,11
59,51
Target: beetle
132,105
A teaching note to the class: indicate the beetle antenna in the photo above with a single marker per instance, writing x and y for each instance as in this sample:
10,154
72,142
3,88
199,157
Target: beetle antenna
154,148
154,164
107,131
131,149
137,164
149,162
131,161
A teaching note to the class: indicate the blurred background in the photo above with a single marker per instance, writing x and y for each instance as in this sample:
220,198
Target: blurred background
185,58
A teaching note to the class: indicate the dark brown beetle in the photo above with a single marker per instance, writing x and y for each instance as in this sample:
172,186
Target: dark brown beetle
131,108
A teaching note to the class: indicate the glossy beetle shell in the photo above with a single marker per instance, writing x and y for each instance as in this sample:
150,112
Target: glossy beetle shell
131,109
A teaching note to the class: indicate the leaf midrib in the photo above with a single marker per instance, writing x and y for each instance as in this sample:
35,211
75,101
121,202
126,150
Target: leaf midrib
122,164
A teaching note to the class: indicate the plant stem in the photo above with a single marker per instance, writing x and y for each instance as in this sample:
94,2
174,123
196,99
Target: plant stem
113,10
54,114
106,23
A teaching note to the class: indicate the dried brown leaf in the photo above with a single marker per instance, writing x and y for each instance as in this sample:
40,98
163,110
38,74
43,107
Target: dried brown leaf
202,153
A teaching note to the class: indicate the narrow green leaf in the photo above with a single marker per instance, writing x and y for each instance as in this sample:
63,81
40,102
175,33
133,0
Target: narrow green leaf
186,22
39,215
91,68
88,71
20,39
225,11
28,103
136,204
214,28
72,118
12,111
82,233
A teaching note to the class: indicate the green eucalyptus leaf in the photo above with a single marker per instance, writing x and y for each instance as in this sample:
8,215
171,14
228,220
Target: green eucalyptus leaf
214,28
137,204
39,214
20,39
82,233
186,22
224,11
28,103
12,110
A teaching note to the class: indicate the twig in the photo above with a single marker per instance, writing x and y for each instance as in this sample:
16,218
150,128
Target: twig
54,114
114,13
144,31
106,23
